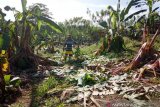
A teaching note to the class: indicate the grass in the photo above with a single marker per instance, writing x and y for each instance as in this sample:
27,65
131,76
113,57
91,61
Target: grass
157,43
131,49
89,50
40,90
51,84
133,45
17,105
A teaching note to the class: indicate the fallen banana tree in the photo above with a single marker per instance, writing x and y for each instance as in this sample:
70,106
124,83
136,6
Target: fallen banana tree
146,55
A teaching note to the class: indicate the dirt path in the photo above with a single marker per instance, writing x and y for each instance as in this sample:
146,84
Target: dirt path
24,100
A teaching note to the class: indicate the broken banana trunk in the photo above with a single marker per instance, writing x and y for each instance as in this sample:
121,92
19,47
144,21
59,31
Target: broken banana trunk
145,54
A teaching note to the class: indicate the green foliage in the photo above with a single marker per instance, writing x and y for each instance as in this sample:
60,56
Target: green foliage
136,13
157,44
117,44
77,53
90,49
88,79
45,87
14,82
7,78
51,82
126,10
24,3
118,17
116,23
81,29
103,24
150,17
51,24
4,41
50,102
34,18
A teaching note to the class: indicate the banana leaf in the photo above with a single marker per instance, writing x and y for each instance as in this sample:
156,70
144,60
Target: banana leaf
24,3
136,13
103,24
7,79
50,23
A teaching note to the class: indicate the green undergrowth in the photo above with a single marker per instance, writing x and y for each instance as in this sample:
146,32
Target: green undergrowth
131,48
40,91
157,43
118,56
131,44
89,50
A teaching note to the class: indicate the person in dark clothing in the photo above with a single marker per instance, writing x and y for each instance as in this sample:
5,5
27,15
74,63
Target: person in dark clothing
68,47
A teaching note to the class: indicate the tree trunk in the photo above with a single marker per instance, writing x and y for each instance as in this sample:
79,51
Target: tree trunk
145,52
25,54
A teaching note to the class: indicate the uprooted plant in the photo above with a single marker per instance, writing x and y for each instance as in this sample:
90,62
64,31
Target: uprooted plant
146,55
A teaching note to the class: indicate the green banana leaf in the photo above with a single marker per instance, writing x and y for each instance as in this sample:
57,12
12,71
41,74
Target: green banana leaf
136,13
24,3
50,23
7,78
103,24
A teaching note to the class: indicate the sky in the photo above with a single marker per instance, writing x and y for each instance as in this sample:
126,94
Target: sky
66,9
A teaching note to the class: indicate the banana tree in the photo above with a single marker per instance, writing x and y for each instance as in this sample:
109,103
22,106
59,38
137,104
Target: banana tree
24,29
116,23
118,19
146,54
149,19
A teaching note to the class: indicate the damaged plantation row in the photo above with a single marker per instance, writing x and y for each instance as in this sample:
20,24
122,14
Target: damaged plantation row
94,82
115,60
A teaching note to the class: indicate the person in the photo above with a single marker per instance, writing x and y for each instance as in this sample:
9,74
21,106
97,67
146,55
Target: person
68,47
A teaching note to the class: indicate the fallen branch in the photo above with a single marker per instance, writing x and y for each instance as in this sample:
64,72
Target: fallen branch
95,102
151,68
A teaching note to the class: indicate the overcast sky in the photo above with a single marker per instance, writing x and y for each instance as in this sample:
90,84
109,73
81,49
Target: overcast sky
66,9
